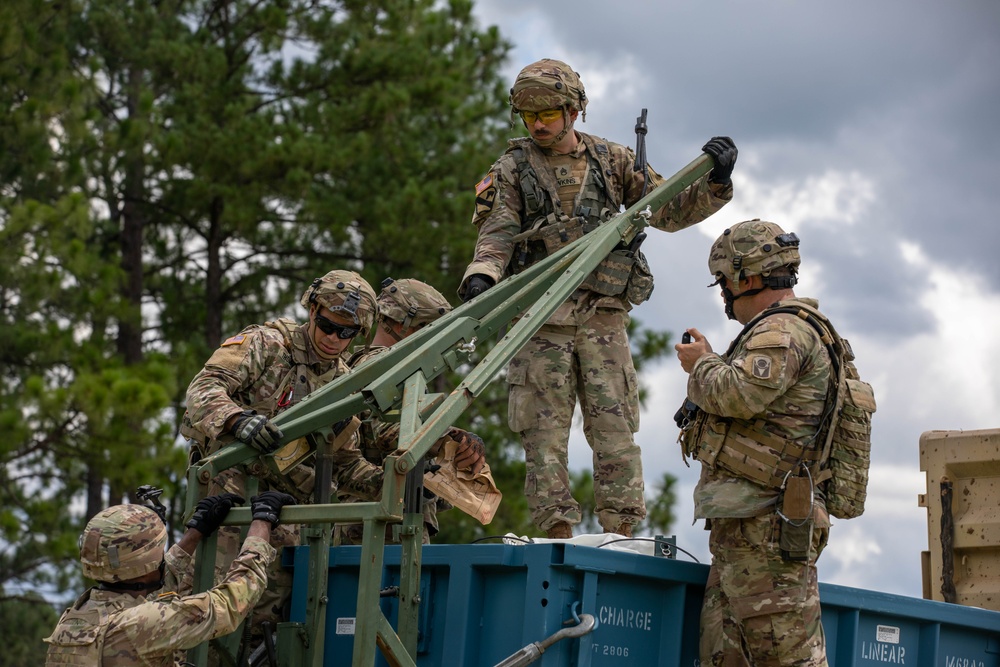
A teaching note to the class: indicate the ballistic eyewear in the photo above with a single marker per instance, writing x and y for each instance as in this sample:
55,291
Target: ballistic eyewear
329,328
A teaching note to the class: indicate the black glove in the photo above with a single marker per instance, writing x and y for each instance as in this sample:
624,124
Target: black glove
723,151
471,451
210,512
267,505
476,285
257,431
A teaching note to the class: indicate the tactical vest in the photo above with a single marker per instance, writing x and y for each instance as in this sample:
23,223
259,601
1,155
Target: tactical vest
546,227
839,454
78,638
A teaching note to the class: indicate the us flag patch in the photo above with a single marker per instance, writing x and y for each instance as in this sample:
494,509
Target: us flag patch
234,340
485,183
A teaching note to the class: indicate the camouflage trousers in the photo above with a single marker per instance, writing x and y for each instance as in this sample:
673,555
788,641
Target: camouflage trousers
590,363
759,609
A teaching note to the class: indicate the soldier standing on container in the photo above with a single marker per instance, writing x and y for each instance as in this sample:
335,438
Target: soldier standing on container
752,417
404,307
543,193
125,620
260,372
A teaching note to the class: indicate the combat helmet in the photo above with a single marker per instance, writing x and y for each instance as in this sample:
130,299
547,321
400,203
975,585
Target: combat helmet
344,292
121,543
411,302
548,84
755,247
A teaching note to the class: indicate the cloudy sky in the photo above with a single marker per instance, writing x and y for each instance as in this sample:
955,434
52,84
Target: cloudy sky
869,129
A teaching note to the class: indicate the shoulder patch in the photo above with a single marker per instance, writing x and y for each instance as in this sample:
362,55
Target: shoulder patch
238,339
485,183
486,195
760,367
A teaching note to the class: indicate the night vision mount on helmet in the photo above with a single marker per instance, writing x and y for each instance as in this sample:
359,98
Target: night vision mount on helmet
754,248
344,292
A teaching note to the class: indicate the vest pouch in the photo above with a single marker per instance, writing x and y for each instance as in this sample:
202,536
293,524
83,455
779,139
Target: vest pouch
611,276
559,234
850,452
710,439
78,638
795,541
640,280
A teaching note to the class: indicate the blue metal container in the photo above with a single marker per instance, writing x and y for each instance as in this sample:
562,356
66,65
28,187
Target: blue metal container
483,603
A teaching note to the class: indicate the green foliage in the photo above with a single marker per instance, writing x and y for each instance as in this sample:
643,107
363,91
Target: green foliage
31,619
172,172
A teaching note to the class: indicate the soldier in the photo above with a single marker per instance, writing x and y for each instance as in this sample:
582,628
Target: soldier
124,620
543,193
753,418
263,370
404,307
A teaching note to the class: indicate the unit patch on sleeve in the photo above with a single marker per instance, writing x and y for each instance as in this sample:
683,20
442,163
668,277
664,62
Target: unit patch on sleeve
486,194
761,367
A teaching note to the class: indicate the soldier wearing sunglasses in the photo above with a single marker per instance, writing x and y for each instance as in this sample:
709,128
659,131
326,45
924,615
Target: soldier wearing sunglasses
265,369
546,191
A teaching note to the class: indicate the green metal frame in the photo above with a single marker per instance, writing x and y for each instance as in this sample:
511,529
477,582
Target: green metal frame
397,379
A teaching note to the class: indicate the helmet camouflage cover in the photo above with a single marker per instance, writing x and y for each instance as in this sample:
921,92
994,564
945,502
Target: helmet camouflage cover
753,247
121,543
345,293
411,302
548,84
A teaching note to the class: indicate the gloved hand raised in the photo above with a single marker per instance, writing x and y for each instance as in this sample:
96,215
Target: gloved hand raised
267,506
476,285
723,151
210,512
257,431
471,450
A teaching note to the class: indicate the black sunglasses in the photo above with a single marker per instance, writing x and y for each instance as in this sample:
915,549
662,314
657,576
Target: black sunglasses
330,328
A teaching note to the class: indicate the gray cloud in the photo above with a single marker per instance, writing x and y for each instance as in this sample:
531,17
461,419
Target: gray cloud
893,106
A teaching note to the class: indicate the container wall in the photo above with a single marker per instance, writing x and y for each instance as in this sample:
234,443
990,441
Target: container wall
963,516
483,603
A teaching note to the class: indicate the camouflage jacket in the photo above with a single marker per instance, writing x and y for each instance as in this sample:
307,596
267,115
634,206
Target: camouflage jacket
778,376
117,629
268,368
502,212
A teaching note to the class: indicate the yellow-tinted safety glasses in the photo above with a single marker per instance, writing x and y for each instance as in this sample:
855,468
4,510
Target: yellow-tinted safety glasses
548,116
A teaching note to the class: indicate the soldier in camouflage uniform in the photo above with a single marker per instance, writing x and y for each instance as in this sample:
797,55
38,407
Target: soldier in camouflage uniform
543,193
258,373
761,401
125,620
404,307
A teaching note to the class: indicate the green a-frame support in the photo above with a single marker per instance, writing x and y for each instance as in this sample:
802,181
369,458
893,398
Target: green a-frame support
396,380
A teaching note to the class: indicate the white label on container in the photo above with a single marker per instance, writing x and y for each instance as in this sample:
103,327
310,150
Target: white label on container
345,626
887,634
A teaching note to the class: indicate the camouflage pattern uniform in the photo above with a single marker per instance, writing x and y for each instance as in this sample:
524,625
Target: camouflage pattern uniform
268,368
760,608
412,304
582,353
111,628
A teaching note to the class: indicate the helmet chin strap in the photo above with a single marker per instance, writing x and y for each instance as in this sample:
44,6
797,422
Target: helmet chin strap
727,295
